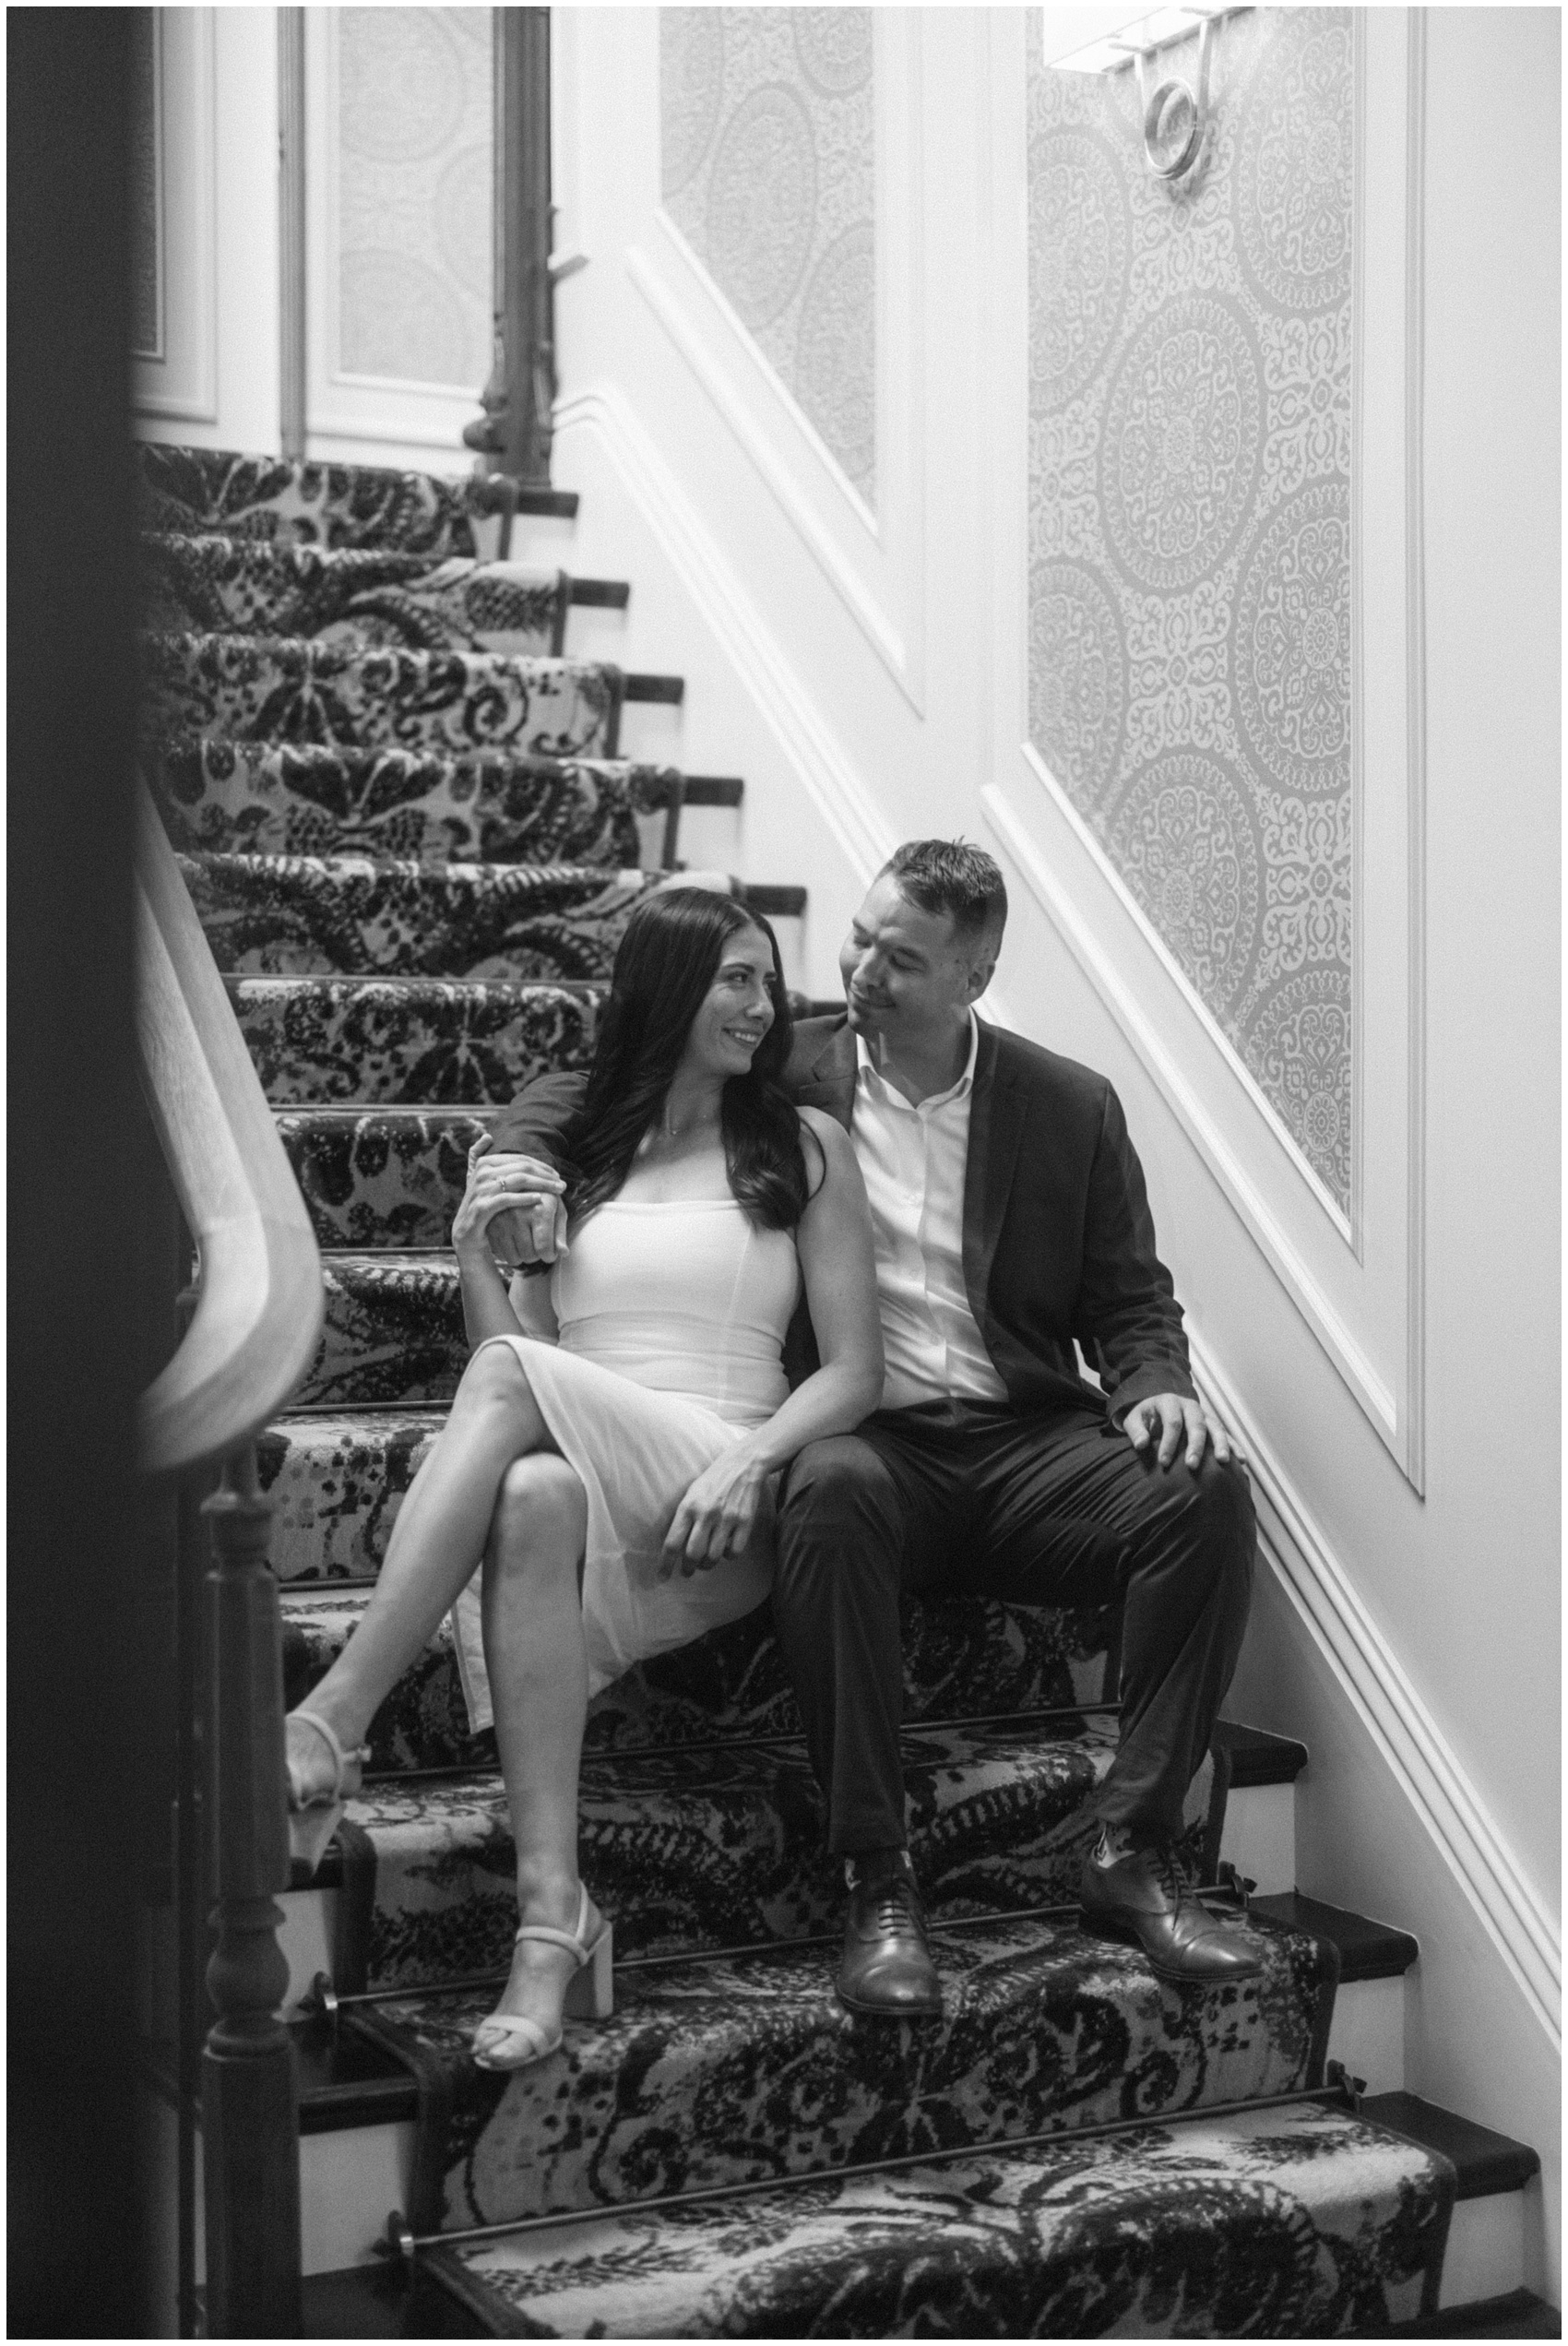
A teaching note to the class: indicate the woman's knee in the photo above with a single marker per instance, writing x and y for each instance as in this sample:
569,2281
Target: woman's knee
540,1519
1220,1509
495,1374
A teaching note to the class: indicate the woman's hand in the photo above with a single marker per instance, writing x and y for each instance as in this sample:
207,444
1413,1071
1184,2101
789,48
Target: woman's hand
508,1185
717,1517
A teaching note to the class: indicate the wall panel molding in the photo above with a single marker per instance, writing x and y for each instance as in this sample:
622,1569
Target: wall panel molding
1205,1131
831,781
1353,1269
873,560
1423,1764
180,381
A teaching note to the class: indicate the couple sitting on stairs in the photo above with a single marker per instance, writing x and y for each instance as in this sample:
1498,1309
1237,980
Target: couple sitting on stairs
907,1216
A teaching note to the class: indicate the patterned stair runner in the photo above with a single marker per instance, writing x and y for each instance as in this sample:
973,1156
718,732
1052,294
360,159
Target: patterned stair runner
361,595
218,796
1295,2222
413,860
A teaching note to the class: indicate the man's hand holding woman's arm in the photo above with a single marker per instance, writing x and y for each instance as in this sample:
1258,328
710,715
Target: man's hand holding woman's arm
483,1229
718,1515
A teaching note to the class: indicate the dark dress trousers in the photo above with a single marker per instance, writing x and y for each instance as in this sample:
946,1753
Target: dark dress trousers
1040,1498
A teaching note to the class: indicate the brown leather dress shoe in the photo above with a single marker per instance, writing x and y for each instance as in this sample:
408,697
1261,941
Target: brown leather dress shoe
886,1969
1141,1898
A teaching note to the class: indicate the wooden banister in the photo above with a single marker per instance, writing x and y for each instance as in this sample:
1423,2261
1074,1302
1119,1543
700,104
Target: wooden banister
257,1318
259,1312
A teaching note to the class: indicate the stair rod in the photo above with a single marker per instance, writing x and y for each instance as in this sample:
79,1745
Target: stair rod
325,2000
402,2241
637,1752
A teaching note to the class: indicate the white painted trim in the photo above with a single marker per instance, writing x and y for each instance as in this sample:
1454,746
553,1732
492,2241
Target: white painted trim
818,541
863,514
832,783
1214,1032
1276,1248
158,351
190,313
1415,745
1423,1764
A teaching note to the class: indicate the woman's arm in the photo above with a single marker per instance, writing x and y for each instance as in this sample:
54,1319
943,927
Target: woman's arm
489,1308
717,1517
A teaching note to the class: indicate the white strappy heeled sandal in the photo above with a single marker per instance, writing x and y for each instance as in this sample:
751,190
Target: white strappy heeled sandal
312,1821
590,1992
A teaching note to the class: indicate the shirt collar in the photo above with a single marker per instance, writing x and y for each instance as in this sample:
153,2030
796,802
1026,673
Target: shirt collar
866,1073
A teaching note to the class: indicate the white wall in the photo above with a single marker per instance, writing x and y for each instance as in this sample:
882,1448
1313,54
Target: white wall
867,686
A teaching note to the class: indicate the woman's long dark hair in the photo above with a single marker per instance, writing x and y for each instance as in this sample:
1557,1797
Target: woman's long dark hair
668,958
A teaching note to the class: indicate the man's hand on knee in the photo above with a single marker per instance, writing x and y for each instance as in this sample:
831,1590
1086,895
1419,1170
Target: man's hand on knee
1175,1419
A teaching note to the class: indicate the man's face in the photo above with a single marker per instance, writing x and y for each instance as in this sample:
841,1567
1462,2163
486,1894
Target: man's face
904,971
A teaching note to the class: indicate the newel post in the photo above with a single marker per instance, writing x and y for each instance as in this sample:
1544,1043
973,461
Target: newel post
249,2093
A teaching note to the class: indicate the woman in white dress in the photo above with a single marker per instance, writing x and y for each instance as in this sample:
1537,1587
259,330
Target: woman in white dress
602,1488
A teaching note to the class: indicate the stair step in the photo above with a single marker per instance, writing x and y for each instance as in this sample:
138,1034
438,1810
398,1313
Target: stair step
600,594
693,1846
390,1040
305,502
350,915
393,1330
1263,2222
361,596
288,688
382,1176
742,2067
1007,1663
262,797
346,916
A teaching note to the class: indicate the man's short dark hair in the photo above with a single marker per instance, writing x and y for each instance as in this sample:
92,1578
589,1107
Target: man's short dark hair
949,875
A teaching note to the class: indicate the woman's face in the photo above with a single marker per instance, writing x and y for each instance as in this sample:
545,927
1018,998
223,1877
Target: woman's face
736,1011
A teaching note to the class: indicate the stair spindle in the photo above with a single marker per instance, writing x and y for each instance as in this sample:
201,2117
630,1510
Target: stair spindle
250,2101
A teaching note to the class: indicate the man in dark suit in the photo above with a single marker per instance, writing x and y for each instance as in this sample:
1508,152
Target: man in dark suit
1010,1221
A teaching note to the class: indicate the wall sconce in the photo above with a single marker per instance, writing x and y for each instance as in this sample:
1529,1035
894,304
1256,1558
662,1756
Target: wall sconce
1175,115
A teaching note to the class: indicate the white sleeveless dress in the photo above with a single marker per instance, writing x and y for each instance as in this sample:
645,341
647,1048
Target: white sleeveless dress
671,1323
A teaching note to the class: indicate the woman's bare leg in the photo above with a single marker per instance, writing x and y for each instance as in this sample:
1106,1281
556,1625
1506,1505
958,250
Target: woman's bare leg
434,1552
537,1662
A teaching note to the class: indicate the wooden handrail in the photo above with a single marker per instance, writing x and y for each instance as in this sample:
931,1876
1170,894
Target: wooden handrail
259,1312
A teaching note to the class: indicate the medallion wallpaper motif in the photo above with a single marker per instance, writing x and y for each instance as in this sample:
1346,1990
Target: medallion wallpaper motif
767,143
415,137
1190,412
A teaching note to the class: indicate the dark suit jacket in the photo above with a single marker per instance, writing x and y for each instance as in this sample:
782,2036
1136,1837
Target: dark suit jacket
1057,1238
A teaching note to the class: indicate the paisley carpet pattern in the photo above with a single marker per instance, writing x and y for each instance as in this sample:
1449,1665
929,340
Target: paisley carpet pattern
359,595
381,1177
301,915
393,1331
744,2067
338,1482
188,492
712,1845
1294,2223
285,688
258,798
393,1041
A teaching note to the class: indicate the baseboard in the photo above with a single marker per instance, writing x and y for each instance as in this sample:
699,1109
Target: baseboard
1420,1759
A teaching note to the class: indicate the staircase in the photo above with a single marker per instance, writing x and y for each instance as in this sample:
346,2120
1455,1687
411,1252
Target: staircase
406,817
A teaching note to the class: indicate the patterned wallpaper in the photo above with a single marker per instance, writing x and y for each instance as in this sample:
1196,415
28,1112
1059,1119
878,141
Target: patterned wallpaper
415,137
766,121
1190,413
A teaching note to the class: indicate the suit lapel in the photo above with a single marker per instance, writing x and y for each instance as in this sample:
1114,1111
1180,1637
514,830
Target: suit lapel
998,1112
829,1081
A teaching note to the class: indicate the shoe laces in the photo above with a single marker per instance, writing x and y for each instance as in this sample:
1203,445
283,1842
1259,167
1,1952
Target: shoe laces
895,1903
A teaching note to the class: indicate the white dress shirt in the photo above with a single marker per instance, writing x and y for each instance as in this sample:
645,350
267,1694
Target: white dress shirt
912,1160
